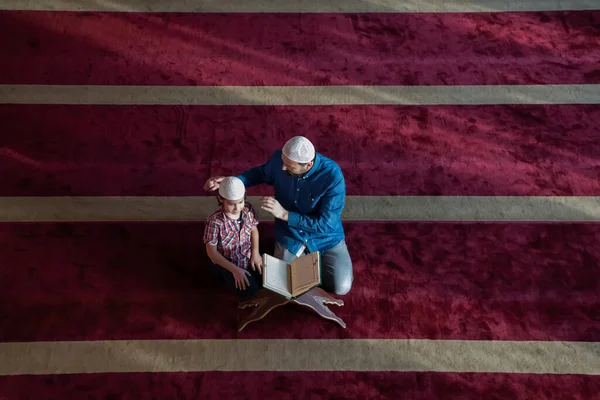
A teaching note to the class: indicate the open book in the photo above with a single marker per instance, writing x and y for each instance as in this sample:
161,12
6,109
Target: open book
292,280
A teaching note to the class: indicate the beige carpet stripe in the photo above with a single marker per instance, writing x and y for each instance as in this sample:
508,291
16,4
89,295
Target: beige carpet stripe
300,95
300,355
304,6
358,208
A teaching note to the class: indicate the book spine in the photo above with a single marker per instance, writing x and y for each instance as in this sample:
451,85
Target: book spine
290,287
264,273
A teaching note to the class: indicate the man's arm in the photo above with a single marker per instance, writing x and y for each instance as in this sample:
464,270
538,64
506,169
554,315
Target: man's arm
254,176
330,211
261,174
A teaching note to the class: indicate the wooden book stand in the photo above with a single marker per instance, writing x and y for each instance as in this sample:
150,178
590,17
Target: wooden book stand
266,300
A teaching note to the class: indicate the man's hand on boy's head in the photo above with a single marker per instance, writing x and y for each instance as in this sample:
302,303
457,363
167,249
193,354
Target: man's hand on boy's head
271,205
213,183
256,262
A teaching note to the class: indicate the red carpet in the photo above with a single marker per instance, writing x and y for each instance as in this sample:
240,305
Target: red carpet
300,49
418,280
302,385
413,280
383,150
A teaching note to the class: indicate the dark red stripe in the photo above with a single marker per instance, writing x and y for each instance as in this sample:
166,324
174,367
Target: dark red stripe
104,150
412,280
383,150
302,385
299,49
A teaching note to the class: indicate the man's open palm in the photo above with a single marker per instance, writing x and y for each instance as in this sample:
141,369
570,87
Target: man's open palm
271,205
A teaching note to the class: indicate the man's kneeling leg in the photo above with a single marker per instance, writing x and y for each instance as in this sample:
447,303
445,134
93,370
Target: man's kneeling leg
337,270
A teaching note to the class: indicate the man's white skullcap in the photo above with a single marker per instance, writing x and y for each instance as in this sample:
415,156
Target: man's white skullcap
299,149
232,188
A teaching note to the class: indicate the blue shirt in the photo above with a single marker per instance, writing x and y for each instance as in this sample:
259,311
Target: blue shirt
314,202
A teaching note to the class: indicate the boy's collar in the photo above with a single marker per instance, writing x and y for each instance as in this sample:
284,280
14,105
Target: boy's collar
245,210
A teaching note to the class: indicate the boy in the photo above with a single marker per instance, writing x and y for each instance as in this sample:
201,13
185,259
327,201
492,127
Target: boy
231,238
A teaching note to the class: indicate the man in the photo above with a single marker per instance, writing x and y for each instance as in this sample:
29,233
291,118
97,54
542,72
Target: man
310,192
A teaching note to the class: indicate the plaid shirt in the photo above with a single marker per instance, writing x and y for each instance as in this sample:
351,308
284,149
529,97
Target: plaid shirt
232,237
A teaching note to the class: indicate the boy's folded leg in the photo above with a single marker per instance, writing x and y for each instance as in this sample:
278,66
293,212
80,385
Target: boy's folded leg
246,293
255,280
219,272
214,270
258,278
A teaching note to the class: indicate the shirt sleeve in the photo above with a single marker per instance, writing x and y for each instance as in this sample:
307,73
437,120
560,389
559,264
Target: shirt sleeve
262,173
253,215
329,211
211,232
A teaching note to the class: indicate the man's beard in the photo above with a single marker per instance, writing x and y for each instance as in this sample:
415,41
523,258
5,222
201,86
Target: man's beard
293,174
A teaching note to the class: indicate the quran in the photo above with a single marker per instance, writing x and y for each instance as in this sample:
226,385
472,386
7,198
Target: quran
293,279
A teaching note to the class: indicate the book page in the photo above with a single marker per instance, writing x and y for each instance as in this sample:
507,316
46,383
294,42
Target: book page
275,275
306,273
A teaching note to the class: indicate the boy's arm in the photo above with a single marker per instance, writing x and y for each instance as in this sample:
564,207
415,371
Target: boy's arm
254,240
211,235
256,261
239,274
218,258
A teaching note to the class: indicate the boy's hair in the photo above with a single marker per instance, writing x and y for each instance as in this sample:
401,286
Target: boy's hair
221,198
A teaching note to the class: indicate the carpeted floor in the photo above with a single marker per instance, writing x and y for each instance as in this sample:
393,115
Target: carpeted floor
300,49
413,280
484,150
417,283
301,385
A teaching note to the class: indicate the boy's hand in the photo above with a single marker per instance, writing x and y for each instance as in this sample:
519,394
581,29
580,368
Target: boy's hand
256,262
213,183
271,205
241,282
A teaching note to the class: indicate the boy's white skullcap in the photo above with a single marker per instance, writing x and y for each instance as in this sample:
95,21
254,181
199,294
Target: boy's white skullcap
232,188
299,149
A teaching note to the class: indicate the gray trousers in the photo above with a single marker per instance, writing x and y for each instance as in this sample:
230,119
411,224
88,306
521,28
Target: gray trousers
336,273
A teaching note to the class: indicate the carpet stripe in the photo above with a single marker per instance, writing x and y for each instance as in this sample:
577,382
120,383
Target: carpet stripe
300,355
300,50
384,150
358,208
301,385
329,6
301,95
462,281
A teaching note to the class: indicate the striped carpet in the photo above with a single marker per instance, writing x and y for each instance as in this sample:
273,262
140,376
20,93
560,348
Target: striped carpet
467,132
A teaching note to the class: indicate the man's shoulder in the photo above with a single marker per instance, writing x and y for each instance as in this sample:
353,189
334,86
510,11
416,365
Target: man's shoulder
329,165
276,156
328,161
